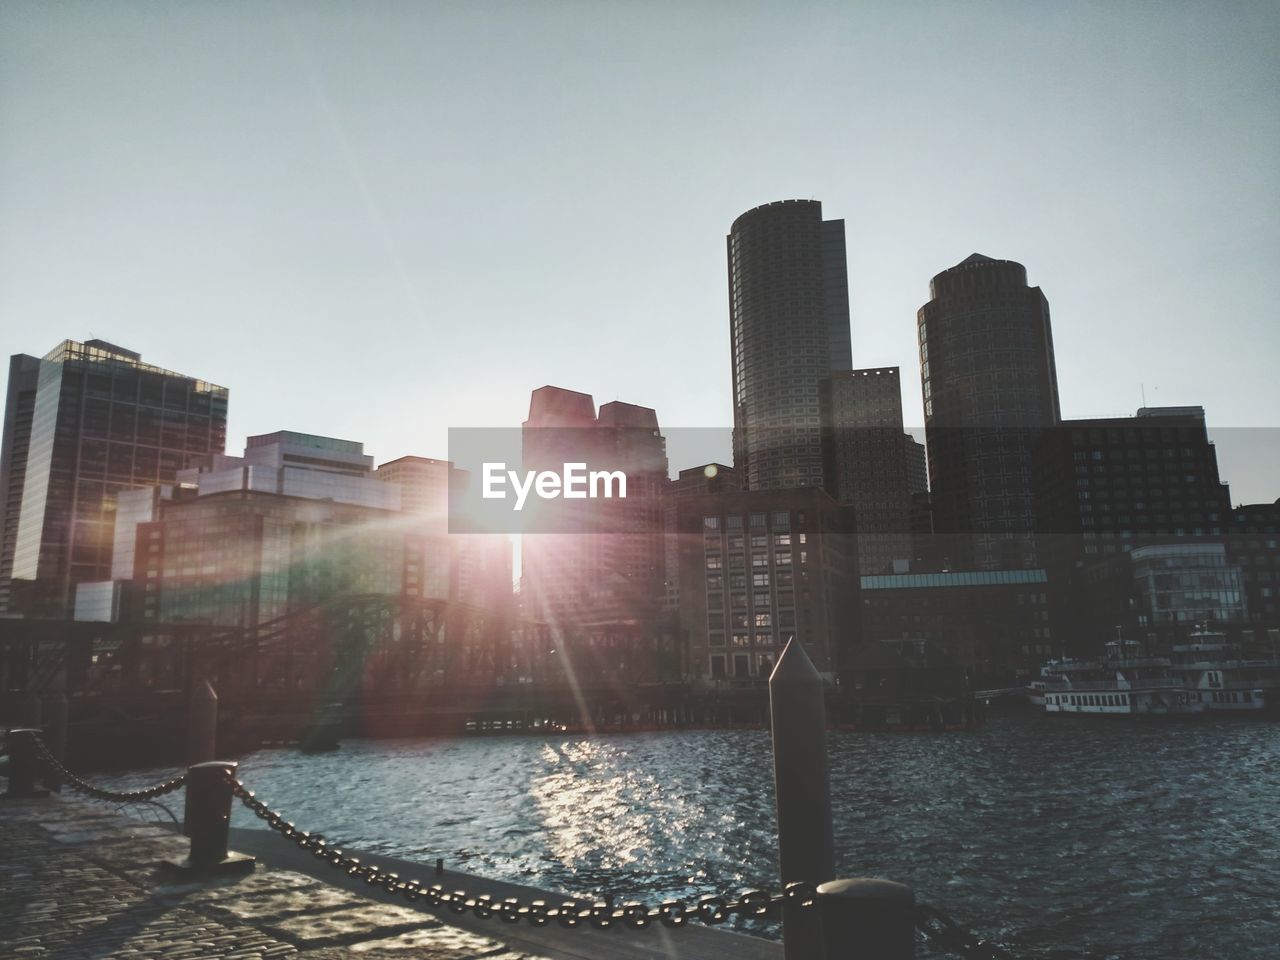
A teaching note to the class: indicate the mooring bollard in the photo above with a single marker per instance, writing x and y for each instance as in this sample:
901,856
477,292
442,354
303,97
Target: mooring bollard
208,819
806,848
24,764
867,919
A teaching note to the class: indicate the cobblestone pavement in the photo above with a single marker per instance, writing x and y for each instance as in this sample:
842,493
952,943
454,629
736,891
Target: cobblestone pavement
77,881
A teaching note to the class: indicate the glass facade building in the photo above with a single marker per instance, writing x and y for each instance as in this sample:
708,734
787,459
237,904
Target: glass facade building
788,329
100,422
298,465
1186,583
243,558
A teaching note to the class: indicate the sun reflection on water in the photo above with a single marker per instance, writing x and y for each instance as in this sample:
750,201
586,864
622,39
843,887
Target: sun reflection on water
612,813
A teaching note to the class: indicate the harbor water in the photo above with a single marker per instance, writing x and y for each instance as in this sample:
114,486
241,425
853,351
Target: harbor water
1056,837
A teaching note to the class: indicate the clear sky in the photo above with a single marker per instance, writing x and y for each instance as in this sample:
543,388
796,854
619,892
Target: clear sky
376,220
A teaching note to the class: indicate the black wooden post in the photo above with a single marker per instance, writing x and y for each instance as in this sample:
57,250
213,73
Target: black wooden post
867,920
806,849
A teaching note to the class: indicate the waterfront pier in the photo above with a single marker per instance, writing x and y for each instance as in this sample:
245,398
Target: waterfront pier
276,906
81,881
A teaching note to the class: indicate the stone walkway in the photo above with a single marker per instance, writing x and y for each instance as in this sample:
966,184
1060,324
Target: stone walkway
78,882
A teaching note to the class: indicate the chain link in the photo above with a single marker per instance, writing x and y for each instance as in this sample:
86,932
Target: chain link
938,929
56,767
601,914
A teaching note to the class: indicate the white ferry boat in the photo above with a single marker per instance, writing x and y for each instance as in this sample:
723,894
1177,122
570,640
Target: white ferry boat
1055,670
1223,678
1124,683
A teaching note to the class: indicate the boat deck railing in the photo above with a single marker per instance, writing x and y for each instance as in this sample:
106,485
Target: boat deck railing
1156,683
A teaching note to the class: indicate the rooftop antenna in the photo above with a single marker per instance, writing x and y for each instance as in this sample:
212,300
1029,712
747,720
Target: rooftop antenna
1143,388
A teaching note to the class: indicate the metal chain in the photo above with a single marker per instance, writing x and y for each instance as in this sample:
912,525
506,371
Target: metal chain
942,931
55,766
936,926
602,914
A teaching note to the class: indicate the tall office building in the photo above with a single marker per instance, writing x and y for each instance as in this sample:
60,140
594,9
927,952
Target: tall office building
82,424
18,411
1108,485
1107,488
990,387
297,514
868,460
1253,544
917,466
594,560
297,465
424,486
756,569
481,563
788,328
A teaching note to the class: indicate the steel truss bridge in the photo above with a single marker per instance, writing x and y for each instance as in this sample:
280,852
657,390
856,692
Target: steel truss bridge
394,664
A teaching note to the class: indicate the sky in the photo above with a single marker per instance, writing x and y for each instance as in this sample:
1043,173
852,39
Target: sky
379,220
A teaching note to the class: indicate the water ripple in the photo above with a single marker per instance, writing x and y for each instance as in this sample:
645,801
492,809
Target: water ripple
1058,838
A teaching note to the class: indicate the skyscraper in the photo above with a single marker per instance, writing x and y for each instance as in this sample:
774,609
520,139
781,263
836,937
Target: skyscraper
990,387
83,423
18,410
482,563
600,559
788,328
869,461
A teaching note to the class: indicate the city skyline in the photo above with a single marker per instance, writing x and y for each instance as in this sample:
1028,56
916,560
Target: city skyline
298,181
